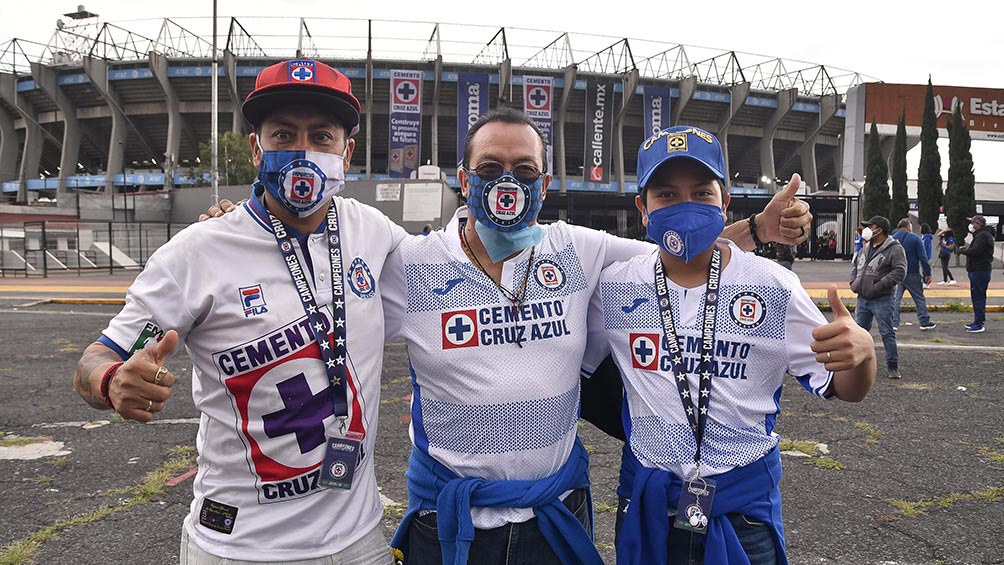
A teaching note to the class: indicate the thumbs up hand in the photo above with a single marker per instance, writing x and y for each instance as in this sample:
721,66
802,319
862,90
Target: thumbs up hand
842,344
785,219
142,384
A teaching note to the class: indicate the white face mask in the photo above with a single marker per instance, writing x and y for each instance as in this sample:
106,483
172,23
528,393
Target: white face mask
972,228
866,234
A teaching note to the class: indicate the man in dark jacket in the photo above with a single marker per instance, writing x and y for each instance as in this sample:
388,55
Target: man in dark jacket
875,272
918,274
980,258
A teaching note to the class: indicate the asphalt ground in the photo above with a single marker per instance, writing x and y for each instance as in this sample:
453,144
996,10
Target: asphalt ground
912,475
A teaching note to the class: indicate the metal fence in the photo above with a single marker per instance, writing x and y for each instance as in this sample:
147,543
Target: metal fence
41,249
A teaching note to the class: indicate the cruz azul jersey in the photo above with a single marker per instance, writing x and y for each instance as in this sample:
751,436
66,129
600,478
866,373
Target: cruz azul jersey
763,330
258,380
482,405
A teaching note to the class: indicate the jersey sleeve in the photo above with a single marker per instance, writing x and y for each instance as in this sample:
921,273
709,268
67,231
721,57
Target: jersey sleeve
802,317
394,293
597,344
610,248
155,303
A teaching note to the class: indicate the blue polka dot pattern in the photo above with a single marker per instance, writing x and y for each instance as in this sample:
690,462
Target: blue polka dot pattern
500,428
672,444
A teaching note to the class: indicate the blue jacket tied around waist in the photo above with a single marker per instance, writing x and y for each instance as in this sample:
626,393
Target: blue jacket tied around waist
751,490
431,486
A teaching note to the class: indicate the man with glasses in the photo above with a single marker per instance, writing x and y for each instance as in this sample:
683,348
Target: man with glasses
494,311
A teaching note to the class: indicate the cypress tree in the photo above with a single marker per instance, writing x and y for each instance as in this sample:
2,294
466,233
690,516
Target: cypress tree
900,207
929,195
876,190
960,196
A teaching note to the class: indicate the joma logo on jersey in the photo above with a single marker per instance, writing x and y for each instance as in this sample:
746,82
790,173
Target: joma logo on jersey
253,300
150,333
460,329
644,351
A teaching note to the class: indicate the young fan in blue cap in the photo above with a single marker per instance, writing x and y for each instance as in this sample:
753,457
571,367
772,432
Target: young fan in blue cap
703,334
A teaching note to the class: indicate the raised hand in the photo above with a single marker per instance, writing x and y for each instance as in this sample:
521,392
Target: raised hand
142,384
785,219
842,345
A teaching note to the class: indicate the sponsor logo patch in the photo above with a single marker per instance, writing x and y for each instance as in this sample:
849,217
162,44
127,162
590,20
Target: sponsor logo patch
644,351
252,300
361,280
460,329
549,274
150,334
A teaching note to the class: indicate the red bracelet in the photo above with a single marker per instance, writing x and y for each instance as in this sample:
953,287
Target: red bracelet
106,381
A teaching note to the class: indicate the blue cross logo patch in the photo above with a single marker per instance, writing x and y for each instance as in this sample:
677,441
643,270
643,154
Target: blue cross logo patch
361,280
644,351
460,329
302,181
549,274
302,71
748,310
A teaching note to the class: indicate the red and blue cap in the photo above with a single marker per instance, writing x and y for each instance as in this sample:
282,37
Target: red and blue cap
680,142
303,82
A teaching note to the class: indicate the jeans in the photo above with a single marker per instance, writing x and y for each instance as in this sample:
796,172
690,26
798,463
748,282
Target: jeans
880,309
687,548
512,544
915,284
978,283
946,275
371,549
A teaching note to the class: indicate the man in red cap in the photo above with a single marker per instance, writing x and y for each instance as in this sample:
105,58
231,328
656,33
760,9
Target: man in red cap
288,394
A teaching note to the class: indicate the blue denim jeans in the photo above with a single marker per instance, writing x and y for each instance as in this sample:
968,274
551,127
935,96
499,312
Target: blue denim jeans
512,544
687,548
915,285
880,309
978,283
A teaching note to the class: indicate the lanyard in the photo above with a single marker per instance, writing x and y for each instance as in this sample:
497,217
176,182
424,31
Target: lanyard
334,354
698,419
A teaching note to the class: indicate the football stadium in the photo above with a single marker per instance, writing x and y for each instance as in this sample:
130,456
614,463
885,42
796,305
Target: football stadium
103,122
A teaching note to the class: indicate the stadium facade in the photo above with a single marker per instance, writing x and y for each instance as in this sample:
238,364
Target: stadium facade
104,108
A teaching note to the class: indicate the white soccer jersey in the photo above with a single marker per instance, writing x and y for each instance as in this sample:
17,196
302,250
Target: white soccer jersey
763,330
482,405
258,380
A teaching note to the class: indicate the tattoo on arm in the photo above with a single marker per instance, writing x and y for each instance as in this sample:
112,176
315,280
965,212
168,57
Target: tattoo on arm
91,361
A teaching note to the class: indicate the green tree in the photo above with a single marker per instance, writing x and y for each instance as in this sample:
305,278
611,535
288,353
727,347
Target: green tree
234,156
960,196
929,195
876,190
900,207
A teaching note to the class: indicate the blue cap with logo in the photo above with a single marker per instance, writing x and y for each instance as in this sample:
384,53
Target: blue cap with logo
680,142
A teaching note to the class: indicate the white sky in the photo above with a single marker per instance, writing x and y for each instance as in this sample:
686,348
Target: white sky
891,41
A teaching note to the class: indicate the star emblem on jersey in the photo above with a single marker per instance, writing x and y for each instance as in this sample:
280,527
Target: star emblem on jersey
460,329
506,203
361,280
673,243
301,180
748,310
644,351
549,274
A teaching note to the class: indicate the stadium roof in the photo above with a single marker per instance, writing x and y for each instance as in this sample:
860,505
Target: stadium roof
360,40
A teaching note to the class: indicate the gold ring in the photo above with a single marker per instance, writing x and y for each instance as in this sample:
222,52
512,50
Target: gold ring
149,406
161,371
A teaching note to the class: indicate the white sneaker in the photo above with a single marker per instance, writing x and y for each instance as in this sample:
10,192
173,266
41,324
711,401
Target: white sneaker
952,283
927,286
942,283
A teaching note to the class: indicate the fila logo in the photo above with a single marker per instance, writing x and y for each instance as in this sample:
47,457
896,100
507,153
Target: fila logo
460,329
644,351
252,300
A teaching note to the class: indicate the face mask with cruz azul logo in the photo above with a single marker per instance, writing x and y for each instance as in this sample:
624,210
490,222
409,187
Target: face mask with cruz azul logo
302,182
687,229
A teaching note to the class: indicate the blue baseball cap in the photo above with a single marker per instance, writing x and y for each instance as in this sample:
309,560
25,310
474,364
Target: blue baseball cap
681,141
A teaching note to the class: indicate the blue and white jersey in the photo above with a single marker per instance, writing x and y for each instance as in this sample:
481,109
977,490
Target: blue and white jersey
482,405
763,330
259,381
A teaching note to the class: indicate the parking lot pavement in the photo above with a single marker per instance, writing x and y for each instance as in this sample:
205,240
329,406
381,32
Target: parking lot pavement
912,475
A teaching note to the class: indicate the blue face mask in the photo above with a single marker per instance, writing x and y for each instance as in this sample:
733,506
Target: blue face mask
687,229
302,182
504,209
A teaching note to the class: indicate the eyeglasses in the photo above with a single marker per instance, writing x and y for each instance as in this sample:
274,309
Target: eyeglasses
490,170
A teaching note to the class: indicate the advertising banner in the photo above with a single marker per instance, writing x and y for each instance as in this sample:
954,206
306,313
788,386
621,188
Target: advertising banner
472,103
405,123
538,93
656,111
982,108
599,123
